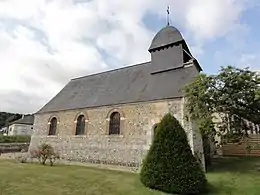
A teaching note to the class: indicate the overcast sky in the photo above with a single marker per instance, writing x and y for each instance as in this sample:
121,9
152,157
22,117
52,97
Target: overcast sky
45,43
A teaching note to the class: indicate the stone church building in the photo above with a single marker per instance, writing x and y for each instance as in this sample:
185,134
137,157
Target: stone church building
109,117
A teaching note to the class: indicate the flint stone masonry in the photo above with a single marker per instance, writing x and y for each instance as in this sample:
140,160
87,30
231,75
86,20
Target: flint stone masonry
96,146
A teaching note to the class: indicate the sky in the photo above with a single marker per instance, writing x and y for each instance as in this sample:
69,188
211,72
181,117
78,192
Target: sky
45,43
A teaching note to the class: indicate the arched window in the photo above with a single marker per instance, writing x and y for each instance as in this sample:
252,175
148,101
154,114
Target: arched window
80,128
114,124
53,126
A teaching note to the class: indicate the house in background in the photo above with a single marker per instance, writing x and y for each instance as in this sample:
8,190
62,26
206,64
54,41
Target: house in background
23,126
3,130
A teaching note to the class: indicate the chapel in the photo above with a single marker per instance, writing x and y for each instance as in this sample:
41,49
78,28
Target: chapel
110,117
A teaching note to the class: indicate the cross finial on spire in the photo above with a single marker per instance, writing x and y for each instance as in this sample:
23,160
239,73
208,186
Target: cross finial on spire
168,16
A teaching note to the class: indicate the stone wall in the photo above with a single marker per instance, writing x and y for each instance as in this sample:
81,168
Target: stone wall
13,147
128,148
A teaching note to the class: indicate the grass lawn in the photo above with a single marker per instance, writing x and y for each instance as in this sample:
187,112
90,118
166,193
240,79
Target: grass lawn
235,175
228,176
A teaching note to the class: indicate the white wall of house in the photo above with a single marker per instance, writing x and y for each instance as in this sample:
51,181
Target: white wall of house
20,129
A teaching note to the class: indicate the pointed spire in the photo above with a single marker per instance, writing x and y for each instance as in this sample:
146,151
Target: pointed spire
168,16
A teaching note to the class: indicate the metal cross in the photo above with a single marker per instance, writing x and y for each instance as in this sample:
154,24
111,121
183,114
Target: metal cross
168,15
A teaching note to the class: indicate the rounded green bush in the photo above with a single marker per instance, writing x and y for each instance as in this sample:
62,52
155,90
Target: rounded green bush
170,165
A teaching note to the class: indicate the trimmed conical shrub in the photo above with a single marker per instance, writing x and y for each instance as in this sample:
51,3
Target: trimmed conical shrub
170,165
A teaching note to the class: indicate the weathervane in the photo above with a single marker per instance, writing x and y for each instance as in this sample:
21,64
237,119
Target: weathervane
168,16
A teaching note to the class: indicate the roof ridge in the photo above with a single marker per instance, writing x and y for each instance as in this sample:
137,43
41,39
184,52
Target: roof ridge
125,67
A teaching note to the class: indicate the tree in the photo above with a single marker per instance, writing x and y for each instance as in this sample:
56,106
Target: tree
233,96
6,118
170,165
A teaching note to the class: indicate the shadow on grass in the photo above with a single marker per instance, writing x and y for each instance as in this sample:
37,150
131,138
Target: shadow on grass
235,164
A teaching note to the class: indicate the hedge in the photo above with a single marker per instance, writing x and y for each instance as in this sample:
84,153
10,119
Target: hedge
15,139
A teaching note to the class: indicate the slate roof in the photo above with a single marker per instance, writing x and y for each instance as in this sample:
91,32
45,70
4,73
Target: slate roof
26,120
125,85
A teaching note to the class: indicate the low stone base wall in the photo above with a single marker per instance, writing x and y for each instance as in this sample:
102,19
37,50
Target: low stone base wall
103,162
13,147
10,156
102,165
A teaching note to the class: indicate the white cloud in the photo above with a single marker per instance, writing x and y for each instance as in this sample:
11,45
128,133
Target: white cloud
208,19
251,60
44,43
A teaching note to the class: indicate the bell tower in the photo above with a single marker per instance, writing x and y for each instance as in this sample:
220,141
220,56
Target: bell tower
169,51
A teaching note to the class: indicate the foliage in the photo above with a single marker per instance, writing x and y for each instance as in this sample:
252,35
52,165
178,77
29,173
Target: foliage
6,118
223,104
43,153
15,139
170,165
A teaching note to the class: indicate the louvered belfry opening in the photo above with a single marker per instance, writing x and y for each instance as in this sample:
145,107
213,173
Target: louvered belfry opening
114,124
53,126
80,129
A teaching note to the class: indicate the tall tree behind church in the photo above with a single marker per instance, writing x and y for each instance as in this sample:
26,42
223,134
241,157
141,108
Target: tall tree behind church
233,93
229,100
